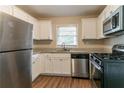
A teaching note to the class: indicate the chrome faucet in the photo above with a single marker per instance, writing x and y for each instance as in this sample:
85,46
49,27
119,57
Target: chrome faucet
63,45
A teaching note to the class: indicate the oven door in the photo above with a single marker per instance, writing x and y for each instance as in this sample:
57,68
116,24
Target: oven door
96,75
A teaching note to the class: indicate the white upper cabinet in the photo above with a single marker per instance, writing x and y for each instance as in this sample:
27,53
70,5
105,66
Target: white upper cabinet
35,23
114,7
41,30
89,28
36,35
45,29
100,20
7,9
107,11
18,13
110,9
26,17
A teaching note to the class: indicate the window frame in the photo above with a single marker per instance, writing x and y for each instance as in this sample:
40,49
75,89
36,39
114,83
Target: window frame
67,25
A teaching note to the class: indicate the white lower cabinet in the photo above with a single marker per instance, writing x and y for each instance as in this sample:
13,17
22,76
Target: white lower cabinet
61,65
66,66
36,68
56,64
48,64
51,64
42,66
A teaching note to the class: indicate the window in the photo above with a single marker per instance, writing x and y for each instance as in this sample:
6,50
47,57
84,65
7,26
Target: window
67,35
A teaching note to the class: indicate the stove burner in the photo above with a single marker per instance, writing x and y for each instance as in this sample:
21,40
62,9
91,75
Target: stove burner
110,56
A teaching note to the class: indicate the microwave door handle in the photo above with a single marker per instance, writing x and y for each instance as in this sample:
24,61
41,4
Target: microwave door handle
111,23
114,22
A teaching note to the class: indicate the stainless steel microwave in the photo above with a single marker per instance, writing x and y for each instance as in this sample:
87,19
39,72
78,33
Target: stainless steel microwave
114,24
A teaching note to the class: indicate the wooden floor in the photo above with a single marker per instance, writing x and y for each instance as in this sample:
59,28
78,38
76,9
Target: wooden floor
60,82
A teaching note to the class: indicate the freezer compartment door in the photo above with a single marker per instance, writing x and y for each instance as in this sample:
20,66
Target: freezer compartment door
15,69
14,33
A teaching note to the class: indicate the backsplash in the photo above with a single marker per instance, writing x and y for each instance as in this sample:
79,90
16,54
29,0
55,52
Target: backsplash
114,40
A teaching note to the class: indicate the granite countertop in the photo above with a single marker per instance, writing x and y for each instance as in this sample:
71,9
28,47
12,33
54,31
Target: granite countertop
81,50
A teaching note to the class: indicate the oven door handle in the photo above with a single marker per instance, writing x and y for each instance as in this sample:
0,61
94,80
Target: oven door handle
96,66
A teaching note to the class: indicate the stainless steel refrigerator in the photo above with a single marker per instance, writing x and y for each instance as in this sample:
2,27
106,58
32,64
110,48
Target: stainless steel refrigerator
15,52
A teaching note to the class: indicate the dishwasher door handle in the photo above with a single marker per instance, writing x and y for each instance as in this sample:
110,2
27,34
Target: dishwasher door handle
72,65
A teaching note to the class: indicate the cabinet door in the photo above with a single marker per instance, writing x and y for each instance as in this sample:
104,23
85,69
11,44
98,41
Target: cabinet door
114,7
42,60
89,28
36,34
34,74
38,63
36,68
57,65
62,64
45,29
113,74
48,64
7,9
100,26
108,11
66,66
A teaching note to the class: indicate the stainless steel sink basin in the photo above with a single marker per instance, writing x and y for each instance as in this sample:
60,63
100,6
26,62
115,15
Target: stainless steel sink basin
62,50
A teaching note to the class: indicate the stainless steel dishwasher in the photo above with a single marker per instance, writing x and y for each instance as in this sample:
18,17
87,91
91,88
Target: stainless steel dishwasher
80,65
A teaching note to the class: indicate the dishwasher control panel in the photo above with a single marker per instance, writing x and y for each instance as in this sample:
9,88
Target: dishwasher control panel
77,56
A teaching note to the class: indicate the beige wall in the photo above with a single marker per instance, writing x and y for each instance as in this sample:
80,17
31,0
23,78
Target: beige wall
68,20
114,40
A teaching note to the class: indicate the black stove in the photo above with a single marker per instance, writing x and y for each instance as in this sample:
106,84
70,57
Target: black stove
117,53
109,56
107,69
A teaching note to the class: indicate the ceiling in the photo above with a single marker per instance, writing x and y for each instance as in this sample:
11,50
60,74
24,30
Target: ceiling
62,10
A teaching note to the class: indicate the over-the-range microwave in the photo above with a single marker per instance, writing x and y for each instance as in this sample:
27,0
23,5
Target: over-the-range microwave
114,24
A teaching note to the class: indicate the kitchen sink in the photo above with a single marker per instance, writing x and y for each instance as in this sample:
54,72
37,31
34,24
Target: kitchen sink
62,50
